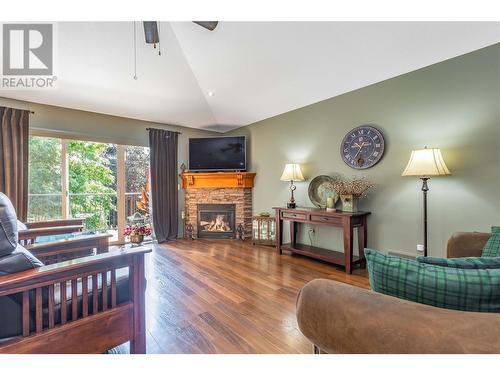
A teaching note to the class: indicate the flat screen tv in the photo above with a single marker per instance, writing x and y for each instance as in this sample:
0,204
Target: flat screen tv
217,154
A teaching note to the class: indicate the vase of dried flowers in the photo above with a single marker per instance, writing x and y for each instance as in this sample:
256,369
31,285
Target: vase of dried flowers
350,191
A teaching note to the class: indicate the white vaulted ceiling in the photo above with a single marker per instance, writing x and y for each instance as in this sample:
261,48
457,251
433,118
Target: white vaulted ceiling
256,69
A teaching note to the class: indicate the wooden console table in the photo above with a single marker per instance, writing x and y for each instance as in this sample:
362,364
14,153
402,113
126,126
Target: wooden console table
346,220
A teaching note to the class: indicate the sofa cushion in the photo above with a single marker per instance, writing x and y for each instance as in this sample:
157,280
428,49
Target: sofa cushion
19,260
8,226
466,262
446,287
492,247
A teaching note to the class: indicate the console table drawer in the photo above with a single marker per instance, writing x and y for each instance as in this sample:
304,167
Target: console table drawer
326,219
294,215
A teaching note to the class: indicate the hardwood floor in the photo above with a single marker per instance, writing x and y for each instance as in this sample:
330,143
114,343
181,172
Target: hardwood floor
226,296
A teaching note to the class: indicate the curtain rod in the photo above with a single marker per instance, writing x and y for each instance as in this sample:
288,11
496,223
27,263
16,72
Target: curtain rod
163,129
21,109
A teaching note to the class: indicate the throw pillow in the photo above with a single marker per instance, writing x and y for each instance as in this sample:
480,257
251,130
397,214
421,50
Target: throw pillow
8,226
466,262
19,260
446,287
492,247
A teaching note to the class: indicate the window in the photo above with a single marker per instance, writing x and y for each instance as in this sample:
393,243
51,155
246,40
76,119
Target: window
91,180
92,184
45,195
136,179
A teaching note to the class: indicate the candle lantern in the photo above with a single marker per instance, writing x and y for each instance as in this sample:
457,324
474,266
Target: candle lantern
263,230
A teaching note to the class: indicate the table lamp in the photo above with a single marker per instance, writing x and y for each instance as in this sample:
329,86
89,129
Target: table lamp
425,163
292,173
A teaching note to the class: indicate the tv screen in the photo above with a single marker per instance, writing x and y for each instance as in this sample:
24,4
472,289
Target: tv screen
217,154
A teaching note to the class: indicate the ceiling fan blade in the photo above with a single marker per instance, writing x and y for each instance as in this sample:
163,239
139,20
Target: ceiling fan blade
209,25
151,32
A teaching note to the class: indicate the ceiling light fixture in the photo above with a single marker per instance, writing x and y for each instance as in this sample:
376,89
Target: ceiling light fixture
211,93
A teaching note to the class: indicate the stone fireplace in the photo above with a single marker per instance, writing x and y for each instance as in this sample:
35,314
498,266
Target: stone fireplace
218,202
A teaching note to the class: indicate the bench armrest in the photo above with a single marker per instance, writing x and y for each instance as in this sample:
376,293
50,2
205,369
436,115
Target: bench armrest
55,223
70,248
339,318
67,270
27,236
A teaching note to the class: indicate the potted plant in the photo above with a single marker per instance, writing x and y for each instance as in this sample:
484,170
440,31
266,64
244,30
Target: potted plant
350,191
137,232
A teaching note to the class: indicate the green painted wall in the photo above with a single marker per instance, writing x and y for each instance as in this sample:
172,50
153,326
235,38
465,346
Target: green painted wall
101,128
453,105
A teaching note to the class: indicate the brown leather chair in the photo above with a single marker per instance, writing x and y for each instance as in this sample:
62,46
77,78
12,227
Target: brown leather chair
340,318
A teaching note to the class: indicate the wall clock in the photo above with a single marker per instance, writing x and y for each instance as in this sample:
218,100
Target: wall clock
362,147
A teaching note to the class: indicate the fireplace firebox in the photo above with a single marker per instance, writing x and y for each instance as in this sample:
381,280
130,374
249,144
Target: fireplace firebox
216,220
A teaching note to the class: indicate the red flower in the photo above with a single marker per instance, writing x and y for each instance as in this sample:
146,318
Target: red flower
133,230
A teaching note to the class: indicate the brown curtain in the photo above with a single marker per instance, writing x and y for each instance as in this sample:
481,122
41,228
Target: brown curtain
164,179
14,125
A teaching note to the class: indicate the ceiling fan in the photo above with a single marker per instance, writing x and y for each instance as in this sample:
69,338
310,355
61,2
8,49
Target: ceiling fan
153,37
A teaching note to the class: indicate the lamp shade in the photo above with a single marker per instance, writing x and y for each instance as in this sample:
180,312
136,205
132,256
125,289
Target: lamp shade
426,162
292,172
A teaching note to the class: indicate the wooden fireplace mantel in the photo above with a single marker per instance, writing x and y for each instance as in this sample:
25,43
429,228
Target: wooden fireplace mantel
210,180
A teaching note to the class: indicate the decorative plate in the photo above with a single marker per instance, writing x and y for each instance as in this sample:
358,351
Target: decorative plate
320,188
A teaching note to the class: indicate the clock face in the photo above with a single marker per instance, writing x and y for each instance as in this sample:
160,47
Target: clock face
362,147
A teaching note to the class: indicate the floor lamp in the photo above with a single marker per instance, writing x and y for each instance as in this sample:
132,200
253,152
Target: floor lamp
424,164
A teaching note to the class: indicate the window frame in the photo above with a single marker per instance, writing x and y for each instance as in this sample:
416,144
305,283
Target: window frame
120,177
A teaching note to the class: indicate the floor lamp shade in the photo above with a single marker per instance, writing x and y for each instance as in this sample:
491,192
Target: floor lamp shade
425,163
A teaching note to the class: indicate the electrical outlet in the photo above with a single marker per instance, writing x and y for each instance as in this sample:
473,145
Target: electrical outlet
311,232
420,248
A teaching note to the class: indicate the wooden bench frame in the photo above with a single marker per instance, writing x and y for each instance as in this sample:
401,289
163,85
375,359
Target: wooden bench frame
95,331
70,248
49,228
63,249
